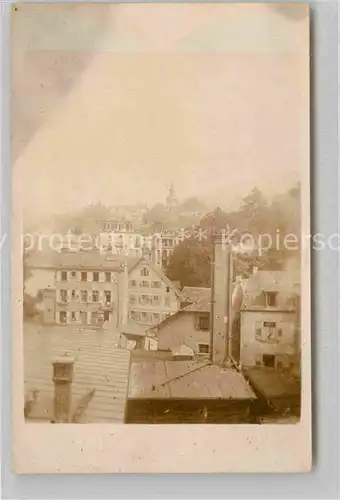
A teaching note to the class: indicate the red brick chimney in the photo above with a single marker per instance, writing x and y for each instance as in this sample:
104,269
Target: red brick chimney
62,378
221,299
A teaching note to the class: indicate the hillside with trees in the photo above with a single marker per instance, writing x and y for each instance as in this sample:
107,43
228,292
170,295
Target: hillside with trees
266,224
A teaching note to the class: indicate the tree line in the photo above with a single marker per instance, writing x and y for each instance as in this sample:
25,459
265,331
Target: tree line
268,226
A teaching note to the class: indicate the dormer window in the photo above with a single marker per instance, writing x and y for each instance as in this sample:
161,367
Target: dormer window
271,299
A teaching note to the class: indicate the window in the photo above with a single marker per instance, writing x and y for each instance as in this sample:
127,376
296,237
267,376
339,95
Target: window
73,294
73,274
135,315
108,277
269,330
94,316
167,289
266,331
133,283
271,299
258,330
132,298
268,360
145,317
95,296
83,317
144,284
95,276
203,322
83,295
279,332
63,275
73,316
63,295
156,299
63,317
144,272
167,301
84,276
145,299
203,349
107,295
156,284
156,317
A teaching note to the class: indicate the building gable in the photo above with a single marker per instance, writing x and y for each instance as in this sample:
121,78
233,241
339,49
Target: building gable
154,274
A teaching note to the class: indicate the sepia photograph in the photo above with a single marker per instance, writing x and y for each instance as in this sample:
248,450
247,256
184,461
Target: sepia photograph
161,206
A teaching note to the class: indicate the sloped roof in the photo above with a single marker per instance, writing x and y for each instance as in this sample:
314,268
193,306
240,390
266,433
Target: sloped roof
72,260
177,284
88,260
186,379
132,262
132,328
157,270
81,259
203,304
277,387
286,283
99,365
42,259
194,293
182,350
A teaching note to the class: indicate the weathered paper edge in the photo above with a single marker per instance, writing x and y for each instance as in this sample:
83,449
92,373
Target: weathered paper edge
94,448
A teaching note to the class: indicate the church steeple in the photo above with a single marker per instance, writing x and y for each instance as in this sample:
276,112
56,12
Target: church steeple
171,201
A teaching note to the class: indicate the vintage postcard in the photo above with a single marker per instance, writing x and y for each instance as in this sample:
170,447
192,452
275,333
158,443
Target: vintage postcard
161,238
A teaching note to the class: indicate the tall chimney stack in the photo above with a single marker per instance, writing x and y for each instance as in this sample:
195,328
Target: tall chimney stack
62,378
123,294
220,307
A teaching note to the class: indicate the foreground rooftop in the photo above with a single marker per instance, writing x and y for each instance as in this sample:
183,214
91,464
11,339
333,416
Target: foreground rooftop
101,371
186,379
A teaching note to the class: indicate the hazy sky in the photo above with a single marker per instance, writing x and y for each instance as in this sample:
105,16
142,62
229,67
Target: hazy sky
114,102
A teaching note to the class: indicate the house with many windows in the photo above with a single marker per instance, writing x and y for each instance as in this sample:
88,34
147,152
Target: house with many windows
90,288
86,291
162,246
270,319
152,297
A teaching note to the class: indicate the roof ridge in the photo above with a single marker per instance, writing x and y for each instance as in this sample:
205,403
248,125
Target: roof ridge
184,374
